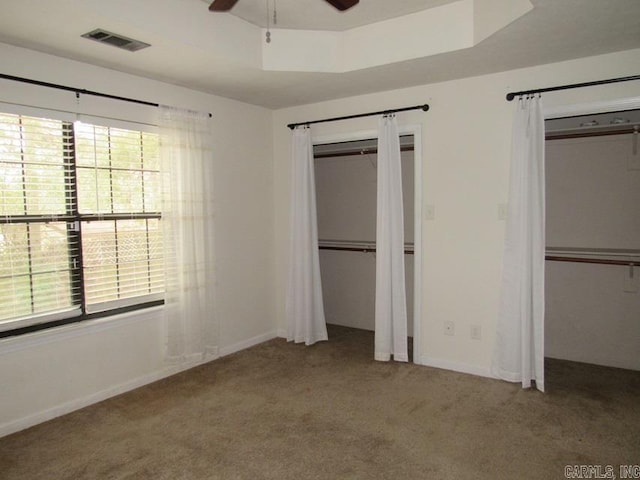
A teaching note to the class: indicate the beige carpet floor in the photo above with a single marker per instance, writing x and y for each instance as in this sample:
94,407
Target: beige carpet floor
283,411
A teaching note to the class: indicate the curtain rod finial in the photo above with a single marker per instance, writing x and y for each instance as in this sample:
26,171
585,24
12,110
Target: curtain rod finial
425,107
510,96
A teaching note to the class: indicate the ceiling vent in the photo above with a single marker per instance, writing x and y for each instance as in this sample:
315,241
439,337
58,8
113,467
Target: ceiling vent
115,40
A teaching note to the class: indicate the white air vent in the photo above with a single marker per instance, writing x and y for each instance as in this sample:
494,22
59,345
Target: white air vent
115,40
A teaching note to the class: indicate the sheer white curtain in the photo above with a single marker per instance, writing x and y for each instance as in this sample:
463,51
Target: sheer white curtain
519,351
187,219
304,308
391,302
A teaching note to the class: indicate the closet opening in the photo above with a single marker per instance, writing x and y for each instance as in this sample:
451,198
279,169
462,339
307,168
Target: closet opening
592,268
346,193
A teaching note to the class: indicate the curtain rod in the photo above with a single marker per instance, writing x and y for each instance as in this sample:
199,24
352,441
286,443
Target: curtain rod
424,107
512,95
600,261
78,91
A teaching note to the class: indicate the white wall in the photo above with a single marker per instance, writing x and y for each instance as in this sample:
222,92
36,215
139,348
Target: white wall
48,373
466,146
592,193
589,317
349,288
592,203
346,195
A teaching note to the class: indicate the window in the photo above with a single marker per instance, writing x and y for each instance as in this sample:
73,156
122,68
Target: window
79,222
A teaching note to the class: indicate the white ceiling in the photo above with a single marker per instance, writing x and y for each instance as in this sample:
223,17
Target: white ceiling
190,45
319,15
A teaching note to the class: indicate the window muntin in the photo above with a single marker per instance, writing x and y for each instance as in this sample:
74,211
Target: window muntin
79,220
34,269
118,170
123,259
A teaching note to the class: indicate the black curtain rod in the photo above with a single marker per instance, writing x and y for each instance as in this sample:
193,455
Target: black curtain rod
512,95
424,107
78,91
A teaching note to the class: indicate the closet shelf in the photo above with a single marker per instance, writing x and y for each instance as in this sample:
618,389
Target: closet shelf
356,246
577,255
602,256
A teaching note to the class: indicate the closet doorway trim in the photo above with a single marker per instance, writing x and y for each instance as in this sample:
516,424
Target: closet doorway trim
416,131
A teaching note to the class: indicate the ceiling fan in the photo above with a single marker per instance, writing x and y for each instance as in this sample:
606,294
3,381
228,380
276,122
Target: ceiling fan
226,5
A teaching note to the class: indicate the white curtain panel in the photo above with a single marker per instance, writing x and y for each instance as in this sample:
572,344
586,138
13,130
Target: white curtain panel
519,351
186,158
391,302
304,308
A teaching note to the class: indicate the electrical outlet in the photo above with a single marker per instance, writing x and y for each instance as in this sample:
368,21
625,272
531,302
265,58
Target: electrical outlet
449,328
476,332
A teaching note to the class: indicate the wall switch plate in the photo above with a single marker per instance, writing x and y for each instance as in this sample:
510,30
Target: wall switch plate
631,280
476,332
429,212
449,328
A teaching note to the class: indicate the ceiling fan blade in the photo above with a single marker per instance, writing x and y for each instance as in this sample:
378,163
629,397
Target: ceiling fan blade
343,4
222,5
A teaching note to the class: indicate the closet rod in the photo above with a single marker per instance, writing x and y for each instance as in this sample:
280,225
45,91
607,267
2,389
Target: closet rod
424,107
78,91
364,151
357,249
512,95
601,261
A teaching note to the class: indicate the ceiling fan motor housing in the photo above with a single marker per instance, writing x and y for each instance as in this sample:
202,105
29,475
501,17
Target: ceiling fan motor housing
226,5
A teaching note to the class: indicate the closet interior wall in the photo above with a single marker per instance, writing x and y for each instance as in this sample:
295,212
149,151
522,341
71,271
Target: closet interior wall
346,203
592,208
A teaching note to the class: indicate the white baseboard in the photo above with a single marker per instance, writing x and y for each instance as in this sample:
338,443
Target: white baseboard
250,342
76,404
282,333
456,367
169,370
